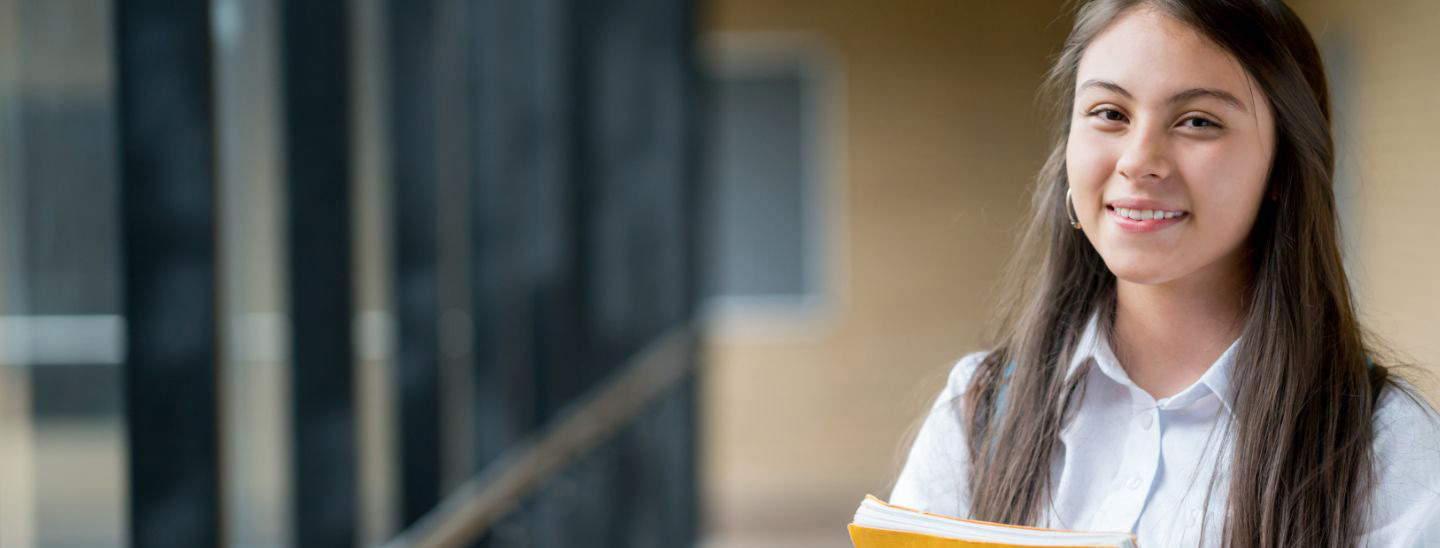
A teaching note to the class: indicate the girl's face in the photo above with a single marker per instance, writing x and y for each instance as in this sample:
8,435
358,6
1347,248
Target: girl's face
1169,151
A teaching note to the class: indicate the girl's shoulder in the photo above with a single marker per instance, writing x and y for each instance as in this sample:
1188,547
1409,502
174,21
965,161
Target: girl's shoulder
1406,457
1402,404
1404,419
933,477
960,374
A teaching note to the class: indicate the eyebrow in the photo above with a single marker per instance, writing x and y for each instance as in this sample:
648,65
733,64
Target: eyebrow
1192,93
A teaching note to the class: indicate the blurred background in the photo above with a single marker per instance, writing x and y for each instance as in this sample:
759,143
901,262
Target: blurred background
502,273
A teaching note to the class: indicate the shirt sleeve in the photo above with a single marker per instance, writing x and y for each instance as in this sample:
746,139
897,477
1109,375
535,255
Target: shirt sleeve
1406,507
934,476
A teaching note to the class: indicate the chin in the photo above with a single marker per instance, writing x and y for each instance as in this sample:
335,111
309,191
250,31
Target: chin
1141,272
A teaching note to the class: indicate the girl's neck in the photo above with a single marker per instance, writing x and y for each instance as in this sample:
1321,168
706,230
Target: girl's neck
1167,335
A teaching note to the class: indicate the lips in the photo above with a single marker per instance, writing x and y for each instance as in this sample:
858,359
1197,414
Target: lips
1145,220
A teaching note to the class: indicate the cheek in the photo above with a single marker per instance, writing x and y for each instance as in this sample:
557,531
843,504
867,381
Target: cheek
1088,165
1226,182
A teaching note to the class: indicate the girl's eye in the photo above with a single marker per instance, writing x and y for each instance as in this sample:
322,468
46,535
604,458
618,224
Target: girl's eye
1199,123
1108,114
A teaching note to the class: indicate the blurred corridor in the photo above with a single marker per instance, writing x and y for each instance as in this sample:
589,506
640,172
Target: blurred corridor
591,273
318,274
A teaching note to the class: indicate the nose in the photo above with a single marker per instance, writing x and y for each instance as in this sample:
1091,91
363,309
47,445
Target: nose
1145,157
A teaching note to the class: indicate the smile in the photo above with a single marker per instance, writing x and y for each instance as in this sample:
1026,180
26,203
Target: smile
1145,220
1146,214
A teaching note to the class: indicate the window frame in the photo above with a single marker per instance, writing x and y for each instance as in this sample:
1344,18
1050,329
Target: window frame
742,54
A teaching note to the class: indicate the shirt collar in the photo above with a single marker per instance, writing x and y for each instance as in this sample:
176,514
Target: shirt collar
1094,344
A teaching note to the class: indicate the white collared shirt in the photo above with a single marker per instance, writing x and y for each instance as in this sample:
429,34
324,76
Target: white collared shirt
1129,462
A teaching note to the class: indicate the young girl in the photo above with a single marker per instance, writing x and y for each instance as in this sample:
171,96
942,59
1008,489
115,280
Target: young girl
1182,358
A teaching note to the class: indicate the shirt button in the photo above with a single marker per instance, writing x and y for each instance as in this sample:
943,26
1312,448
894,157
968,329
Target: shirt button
1134,483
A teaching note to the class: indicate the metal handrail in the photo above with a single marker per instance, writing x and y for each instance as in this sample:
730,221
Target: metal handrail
487,496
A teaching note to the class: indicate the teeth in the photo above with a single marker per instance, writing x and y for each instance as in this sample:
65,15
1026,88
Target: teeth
1147,214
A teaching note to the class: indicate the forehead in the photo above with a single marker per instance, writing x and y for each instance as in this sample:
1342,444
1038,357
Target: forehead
1154,55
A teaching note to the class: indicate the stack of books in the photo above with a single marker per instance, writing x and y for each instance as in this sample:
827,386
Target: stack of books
879,524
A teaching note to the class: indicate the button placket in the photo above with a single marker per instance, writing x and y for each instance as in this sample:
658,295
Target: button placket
1149,438
1137,470
1147,419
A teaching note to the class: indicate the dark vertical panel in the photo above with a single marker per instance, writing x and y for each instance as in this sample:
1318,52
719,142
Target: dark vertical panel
412,78
565,376
634,220
317,133
639,145
524,302
167,194
686,434
585,226
632,151
560,334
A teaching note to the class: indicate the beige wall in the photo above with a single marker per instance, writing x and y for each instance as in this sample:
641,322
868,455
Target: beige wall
941,138
1391,153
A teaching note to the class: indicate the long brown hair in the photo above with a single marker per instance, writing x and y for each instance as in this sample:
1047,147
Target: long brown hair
1306,389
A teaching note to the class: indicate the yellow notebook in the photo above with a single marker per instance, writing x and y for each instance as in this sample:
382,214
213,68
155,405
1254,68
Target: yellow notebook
879,524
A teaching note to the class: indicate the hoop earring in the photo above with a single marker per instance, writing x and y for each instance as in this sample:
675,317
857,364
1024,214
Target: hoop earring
1070,210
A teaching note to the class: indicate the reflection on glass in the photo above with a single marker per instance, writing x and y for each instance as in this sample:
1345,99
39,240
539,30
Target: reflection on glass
375,404
62,436
255,405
